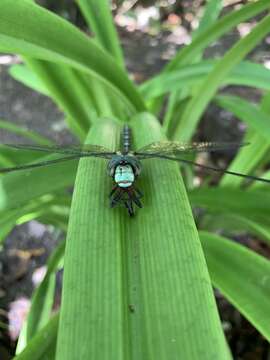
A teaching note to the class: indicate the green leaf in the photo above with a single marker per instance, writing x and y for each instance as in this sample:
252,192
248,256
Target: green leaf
29,36
7,222
10,218
211,12
99,18
250,157
210,34
247,112
17,188
56,206
9,157
242,276
66,90
252,204
77,94
247,159
233,223
42,346
246,73
261,186
105,102
43,297
210,85
125,277
192,52
27,77
42,302
28,134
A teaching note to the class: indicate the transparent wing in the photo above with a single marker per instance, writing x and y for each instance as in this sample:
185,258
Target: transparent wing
212,168
38,164
172,148
85,150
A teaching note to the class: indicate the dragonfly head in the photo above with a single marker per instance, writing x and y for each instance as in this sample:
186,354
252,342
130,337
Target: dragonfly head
124,169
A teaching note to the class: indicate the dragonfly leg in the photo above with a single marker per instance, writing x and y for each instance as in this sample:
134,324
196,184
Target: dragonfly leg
116,197
126,197
138,193
113,191
128,204
135,198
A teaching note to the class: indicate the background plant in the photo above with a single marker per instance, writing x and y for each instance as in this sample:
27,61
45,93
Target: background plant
133,289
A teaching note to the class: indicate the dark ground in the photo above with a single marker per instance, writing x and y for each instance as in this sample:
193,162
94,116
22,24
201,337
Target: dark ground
28,245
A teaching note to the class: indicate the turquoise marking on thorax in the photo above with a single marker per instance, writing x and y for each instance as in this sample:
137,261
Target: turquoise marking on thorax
124,175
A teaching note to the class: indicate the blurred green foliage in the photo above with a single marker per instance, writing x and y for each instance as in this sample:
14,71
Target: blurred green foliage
140,288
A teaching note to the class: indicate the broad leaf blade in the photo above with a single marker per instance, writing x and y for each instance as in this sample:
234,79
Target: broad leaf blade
170,270
133,287
245,282
92,313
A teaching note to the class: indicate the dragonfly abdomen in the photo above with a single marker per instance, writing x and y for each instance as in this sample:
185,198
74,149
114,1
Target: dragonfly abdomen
126,139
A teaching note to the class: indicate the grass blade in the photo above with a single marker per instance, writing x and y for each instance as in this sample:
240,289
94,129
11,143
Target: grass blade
219,28
193,51
20,187
65,90
257,186
247,112
247,159
42,346
253,156
7,223
26,133
245,283
208,88
233,223
43,297
29,36
246,73
99,18
42,302
252,204
211,12
77,94
27,77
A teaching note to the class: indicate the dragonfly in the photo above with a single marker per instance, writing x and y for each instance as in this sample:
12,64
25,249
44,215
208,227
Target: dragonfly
125,166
